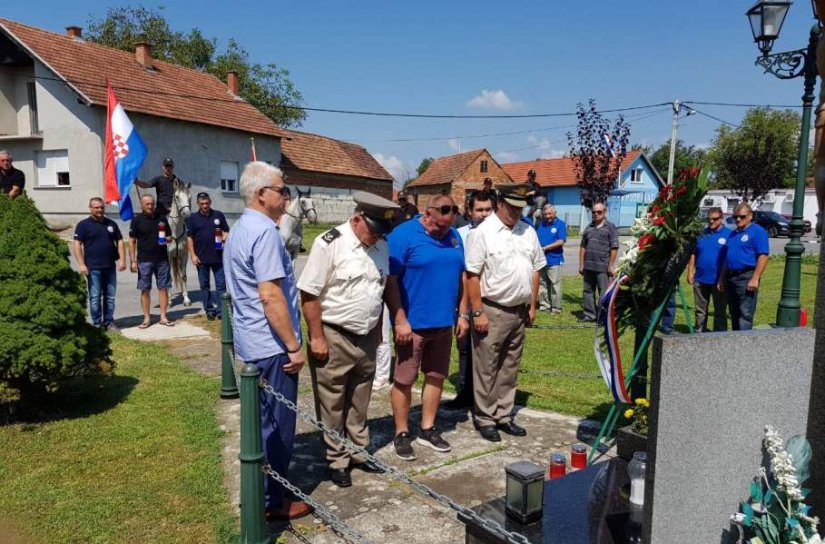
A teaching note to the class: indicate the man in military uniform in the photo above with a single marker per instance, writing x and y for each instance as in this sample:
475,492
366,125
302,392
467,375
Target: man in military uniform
503,259
408,210
343,288
164,185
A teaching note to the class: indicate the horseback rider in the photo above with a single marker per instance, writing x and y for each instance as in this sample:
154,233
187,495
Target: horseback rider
164,185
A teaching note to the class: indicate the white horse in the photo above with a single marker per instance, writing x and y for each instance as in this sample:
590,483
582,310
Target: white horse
291,224
176,239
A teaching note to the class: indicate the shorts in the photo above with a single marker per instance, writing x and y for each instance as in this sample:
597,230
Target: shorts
429,350
161,271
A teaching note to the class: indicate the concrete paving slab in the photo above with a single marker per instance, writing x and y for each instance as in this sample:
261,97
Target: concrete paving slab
157,332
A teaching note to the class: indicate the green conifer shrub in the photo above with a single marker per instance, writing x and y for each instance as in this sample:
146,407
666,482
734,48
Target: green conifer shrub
44,336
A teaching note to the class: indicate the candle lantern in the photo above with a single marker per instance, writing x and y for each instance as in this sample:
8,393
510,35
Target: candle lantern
525,487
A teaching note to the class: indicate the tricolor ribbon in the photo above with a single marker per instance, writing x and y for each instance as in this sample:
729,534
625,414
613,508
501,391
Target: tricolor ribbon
606,342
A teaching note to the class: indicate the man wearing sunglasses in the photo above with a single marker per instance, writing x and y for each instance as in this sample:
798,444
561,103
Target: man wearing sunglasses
597,259
265,319
503,260
745,257
343,289
427,261
703,273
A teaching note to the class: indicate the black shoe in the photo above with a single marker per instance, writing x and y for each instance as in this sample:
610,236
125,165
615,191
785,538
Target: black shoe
340,477
512,429
587,320
368,466
458,403
489,433
210,317
432,438
403,446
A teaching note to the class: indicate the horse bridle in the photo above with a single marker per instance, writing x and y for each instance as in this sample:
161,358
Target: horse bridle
177,207
304,211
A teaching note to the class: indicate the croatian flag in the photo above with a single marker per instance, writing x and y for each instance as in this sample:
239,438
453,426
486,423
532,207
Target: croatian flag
125,153
608,143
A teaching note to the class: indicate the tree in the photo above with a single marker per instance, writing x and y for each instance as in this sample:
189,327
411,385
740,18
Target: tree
425,163
759,155
265,86
685,157
596,170
42,307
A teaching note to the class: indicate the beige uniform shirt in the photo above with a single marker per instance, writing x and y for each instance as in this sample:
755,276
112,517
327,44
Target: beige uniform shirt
505,260
348,278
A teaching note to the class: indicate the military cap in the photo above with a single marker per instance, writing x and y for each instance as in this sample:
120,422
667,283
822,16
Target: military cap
515,194
168,162
378,212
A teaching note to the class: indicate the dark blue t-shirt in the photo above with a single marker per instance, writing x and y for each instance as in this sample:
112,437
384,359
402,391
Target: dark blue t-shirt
99,239
201,228
428,272
549,233
709,255
745,246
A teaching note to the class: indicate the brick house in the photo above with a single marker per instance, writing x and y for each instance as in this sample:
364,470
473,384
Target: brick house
455,175
331,170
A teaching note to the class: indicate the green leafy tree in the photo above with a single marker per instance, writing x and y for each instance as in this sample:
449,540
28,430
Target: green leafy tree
759,155
425,163
265,86
42,307
685,157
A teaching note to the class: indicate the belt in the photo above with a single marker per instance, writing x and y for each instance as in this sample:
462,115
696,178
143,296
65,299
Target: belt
510,309
733,273
342,330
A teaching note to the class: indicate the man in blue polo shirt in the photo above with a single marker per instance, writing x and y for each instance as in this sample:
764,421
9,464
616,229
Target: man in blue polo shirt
98,245
207,231
552,233
703,273
427,262
744,262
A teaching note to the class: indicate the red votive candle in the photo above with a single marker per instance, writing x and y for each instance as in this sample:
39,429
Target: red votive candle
578,456
558,466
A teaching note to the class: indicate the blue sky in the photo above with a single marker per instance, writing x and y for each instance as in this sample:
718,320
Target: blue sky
488,58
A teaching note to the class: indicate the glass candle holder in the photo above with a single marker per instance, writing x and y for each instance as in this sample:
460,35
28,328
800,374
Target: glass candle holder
558,466
578,456
636,470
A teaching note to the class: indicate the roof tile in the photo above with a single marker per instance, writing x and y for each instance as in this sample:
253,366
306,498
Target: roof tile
446,169
321,154
559,172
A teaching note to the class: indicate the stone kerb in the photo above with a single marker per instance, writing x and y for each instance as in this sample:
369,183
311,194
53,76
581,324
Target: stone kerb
711,397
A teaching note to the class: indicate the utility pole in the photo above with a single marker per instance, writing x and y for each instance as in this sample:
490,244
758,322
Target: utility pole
674,137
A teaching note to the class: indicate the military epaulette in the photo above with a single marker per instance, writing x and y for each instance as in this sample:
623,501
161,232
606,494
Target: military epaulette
330,235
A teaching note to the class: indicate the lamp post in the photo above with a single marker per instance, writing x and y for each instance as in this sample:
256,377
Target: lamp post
766,18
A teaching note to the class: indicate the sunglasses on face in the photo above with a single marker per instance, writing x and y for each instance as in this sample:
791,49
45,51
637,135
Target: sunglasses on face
714,218
444,210
598,212
283,189
741,216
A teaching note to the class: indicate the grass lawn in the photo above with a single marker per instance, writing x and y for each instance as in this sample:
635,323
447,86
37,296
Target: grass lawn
130,458
310,232
558,369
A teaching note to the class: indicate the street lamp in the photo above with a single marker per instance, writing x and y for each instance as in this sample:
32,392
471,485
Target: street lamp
766,18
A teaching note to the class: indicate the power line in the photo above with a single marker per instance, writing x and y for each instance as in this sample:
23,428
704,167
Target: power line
741,105
715,118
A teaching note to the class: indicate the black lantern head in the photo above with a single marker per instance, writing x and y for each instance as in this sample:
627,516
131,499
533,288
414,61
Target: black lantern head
766,18
525,489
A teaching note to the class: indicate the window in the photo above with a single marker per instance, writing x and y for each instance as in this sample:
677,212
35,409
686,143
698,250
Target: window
229,177
636,175
52,168
33,122
483,166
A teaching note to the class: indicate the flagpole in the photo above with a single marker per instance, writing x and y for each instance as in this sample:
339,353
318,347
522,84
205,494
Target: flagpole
254,155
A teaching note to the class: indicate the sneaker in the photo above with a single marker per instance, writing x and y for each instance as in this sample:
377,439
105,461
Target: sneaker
555,311
378,385
432,438
111,327
403,446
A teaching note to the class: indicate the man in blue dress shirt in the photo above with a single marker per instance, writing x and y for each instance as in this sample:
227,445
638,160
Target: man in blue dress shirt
552,234
745,259
703,273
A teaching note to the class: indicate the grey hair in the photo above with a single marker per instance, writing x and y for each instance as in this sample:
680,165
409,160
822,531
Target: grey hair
5,153
548,206
147,195
255,175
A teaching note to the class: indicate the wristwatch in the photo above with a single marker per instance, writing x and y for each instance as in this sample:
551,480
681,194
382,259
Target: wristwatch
477,313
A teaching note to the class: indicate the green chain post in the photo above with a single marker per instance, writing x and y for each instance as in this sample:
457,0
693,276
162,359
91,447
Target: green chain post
253,526
229,387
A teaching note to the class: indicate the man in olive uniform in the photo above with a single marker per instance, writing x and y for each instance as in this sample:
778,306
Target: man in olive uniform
343,289
164,186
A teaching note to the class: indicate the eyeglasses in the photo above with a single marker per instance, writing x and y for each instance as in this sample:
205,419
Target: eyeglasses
741,216
714,218
598,212
444,210
283,189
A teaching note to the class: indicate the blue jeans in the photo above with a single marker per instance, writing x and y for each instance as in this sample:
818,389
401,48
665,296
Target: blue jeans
741,302
212,305
102,284
669,315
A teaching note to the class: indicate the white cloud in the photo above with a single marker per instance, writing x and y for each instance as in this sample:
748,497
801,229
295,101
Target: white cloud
497,100
455,144
553,154
505,157
397,168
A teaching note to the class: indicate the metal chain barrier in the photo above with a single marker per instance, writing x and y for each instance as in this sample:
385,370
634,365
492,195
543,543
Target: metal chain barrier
561,327
492,526
341,528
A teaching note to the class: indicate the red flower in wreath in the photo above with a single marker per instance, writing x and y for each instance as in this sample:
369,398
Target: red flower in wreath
659,221
655,209
645,241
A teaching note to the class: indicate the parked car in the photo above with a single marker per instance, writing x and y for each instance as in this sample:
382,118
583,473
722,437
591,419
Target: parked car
774,223
806,225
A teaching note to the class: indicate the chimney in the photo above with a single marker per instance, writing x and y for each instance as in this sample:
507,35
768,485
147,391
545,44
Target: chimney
74,32
143,52
232,82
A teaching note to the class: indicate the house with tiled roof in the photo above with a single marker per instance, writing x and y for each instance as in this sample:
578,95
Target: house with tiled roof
455,175
639,182
331,170
53,119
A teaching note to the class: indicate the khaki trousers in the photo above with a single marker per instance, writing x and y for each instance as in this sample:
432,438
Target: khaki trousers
342,386
496,357
550,288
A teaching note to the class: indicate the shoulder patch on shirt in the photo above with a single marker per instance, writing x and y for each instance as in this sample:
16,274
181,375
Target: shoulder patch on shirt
330,235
